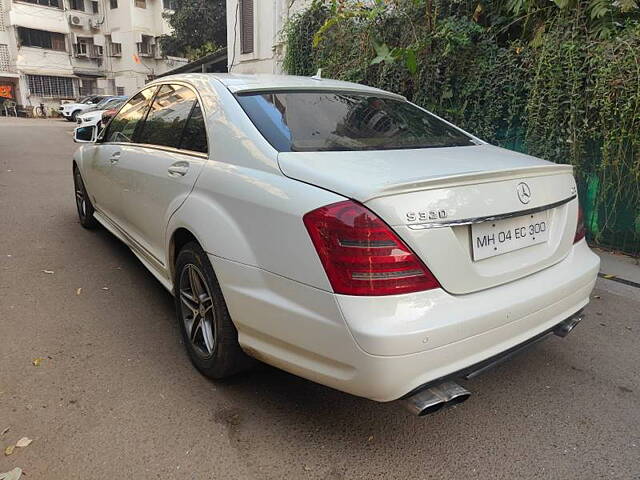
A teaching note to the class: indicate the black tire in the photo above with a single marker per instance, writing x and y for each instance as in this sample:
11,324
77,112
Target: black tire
218,355
74,116
83,202
69,119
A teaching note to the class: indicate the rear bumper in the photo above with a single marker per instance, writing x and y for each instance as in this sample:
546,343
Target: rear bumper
562,330
385,347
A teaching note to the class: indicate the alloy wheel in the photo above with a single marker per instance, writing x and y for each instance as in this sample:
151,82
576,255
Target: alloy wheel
198,315
81,200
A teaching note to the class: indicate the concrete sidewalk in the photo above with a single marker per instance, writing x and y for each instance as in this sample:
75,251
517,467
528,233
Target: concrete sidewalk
618,266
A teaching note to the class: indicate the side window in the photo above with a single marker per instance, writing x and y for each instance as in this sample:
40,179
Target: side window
167,117
194,136
123,125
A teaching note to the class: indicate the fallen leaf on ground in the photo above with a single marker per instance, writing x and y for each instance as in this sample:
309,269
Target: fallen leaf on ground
9,450
79,291
4,431
608,275
11,475
37,361
23,442
49,272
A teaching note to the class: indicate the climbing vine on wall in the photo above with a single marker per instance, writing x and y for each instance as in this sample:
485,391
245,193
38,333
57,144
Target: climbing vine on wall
557,79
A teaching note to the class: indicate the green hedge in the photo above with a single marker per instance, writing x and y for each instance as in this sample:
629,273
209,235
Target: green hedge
563,91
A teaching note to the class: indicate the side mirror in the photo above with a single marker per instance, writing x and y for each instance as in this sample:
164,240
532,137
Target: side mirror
84,134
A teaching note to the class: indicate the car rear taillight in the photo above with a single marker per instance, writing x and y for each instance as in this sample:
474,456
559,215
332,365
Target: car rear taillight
362,255
581,231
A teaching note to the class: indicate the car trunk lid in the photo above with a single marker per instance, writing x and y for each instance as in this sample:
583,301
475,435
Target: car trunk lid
452,206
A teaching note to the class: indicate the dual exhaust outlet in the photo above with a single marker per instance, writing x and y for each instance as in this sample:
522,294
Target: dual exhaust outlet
430,400
448,393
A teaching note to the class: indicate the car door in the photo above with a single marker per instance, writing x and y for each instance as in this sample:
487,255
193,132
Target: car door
161,168
103,177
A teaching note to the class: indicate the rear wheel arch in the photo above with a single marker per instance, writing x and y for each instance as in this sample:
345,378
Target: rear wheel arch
179,238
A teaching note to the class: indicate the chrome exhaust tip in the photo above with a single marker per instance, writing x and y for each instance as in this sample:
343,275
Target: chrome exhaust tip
564,328
430,400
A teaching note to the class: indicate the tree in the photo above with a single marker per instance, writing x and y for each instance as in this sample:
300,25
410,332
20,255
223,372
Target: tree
199,26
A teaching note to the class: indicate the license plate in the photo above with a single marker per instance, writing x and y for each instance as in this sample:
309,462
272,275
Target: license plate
501,236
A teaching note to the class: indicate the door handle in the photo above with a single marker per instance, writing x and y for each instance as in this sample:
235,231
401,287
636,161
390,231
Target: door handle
178,169
115,158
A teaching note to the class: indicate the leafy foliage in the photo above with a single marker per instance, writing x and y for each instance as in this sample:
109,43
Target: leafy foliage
558,79
199,28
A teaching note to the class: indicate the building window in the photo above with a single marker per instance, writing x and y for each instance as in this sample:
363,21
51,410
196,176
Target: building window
113,4
145,47
246,26
89,87
168,4
86,48
4,58
94,7
120,91
76,5
141,3
47,86
83,47
46,3
39,38
113,49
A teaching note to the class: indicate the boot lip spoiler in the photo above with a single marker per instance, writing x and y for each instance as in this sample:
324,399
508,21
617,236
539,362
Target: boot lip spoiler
490,218
491,362
471,178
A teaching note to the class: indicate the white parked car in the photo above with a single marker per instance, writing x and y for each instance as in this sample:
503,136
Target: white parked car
94,116
71,110
338,232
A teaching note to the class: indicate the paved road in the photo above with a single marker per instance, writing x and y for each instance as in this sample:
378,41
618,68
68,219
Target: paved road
115,396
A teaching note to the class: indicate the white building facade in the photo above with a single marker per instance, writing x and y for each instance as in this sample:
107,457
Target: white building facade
52,50
254,29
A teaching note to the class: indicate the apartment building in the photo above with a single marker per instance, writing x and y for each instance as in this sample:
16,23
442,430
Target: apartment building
254,39
51,50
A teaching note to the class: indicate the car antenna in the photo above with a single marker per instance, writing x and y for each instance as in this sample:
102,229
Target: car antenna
318,75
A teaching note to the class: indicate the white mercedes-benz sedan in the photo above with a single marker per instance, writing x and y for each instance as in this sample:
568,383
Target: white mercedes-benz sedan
338,232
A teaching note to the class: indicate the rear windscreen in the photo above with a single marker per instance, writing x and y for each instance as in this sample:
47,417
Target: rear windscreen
341,121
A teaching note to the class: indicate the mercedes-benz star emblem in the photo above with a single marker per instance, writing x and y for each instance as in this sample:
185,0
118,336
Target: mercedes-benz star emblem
524,192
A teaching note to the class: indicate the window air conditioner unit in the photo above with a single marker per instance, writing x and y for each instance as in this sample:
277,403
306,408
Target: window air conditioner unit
75,20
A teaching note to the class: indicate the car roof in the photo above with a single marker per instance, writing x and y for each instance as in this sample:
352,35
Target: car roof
245,83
